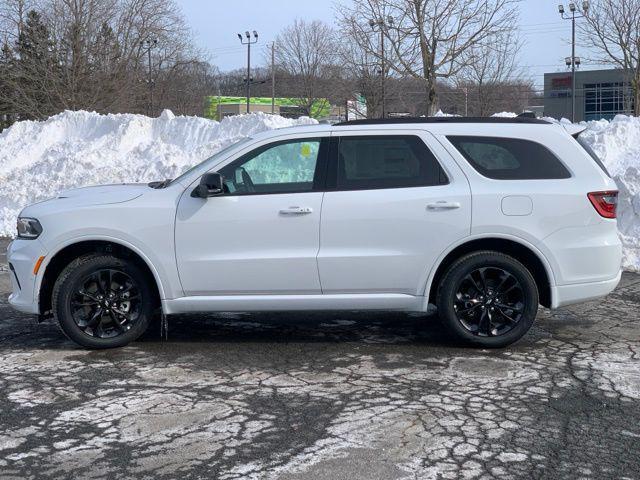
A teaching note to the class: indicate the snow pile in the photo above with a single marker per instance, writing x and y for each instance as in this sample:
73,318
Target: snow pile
505,115
617,143
73,149
440,113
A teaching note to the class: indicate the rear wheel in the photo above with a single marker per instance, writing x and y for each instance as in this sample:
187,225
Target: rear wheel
101,301
488,299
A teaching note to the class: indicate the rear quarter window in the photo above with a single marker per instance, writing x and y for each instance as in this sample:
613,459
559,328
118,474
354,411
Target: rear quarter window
510,158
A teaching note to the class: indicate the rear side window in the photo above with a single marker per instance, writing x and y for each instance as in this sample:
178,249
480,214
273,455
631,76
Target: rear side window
394,161
510,158
584,144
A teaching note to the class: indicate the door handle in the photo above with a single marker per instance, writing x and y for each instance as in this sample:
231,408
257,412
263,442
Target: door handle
296,211
443,205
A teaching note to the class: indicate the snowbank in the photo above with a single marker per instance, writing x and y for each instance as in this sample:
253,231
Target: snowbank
618,144
505,115
39,159
72,149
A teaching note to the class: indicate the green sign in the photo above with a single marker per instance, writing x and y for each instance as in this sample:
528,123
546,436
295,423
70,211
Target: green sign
319,109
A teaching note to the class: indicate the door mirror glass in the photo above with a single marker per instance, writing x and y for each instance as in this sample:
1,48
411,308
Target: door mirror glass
211,185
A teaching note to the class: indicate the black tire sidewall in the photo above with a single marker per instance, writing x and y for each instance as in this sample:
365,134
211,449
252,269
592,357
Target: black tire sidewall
68,282
469,263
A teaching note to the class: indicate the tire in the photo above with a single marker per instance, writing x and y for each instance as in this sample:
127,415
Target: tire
100,282
474,292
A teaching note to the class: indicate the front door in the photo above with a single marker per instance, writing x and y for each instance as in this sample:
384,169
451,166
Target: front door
261,237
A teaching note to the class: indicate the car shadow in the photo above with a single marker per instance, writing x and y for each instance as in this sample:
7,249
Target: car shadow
303,327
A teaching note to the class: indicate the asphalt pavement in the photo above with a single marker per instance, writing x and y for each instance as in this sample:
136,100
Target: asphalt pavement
325,396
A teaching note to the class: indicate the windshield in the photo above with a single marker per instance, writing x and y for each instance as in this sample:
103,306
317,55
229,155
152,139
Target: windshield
211,159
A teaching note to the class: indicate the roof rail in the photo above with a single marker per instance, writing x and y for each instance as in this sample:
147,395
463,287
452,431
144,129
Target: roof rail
401,120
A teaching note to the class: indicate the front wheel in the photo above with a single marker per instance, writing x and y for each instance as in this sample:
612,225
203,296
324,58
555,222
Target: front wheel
487,299
101,301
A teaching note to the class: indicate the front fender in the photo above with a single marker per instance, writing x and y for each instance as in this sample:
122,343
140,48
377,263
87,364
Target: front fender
159,274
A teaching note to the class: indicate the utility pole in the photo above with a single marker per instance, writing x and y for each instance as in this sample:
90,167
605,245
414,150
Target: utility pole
248,42
382,24
149,44
573,61
273,78
466,101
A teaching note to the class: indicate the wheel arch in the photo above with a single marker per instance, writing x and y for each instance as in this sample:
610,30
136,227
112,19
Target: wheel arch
525,253
66,253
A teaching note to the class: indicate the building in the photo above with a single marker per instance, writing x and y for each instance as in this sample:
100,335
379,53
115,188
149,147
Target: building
218,107
230,109
599,94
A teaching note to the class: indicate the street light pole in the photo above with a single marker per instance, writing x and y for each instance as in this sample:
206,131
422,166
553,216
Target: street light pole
466,101
381,24
273,78
149,43
248,42
574,15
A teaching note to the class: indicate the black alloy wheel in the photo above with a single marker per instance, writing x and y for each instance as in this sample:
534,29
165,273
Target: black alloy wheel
102,301
487,299
107,303
489,302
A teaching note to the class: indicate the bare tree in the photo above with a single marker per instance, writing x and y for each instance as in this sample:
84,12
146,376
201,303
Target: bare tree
306,51
91,54
361,69
430,39
101,44
613,29
184,87
488,73
13,14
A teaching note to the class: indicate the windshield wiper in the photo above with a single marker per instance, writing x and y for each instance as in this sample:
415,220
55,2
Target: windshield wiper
160,184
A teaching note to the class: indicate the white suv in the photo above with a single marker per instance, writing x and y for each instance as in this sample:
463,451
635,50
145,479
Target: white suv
483,218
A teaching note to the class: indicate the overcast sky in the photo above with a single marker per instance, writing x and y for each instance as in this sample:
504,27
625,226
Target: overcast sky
217,22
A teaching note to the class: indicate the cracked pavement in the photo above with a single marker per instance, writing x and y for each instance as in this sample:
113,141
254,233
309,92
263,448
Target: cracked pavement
325,396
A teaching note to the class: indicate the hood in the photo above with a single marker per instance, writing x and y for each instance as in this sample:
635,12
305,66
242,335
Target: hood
87,197
103,194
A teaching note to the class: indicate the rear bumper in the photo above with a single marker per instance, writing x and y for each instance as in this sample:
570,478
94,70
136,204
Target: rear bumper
585,255
22,255
564,295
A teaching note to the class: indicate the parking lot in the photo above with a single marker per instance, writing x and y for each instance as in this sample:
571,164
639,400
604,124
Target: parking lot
325,396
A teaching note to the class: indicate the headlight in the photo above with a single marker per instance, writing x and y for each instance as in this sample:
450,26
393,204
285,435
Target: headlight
29,228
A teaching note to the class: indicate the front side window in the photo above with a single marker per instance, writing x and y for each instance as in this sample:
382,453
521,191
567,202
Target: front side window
393,161
283,167
509,158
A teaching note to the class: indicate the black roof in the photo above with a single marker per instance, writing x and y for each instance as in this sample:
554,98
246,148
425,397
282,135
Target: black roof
401,120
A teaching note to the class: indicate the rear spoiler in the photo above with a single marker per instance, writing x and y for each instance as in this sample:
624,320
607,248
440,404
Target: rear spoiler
574,129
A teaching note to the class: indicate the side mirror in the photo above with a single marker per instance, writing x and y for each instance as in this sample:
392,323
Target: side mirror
211,185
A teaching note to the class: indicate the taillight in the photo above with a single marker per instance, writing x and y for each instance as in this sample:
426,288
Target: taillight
605,203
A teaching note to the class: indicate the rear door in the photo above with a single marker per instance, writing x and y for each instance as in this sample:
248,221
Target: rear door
394,203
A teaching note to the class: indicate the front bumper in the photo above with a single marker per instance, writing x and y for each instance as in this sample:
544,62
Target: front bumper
22,256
